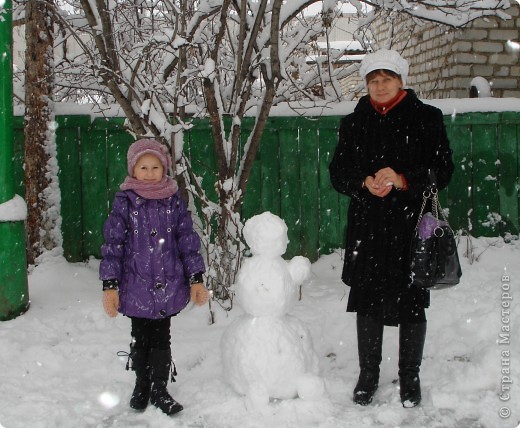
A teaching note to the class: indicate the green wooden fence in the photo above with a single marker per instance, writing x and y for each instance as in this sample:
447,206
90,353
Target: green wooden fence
290,177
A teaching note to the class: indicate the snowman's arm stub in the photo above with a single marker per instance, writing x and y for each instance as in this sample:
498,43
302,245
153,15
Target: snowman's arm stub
299,268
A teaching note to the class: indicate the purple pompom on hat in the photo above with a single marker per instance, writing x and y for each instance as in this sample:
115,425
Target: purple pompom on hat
144,146
384,59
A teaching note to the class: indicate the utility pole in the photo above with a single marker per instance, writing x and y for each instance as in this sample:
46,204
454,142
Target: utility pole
14,292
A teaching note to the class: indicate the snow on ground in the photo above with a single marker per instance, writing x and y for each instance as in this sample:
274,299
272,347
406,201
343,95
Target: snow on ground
59,365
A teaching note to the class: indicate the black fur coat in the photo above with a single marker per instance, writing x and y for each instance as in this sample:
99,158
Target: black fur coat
411,139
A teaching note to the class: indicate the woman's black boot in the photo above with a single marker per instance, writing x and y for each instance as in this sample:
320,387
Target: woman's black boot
411,345
370,340
143,382
161,361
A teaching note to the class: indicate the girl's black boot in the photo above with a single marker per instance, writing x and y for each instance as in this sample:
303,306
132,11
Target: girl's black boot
143,383
161,363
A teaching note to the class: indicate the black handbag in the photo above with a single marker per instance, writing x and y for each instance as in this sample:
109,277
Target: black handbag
434,258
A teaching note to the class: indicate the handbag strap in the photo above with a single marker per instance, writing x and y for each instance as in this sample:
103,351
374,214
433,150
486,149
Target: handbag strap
431,193
436,205
437,210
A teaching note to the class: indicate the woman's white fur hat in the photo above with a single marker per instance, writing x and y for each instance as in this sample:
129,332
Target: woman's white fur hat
384,59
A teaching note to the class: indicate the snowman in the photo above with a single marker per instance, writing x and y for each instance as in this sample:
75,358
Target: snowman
268,354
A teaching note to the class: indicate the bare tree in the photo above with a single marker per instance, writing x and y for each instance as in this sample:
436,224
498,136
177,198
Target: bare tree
212,59
43,209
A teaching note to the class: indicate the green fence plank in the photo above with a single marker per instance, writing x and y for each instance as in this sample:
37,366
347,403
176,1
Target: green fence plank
331,234
508,168
270,170
459,194
290,187
69,176
117,143
94,186
485,175
18,156
309,185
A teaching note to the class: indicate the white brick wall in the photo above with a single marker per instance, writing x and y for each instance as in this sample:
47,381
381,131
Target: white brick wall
443,60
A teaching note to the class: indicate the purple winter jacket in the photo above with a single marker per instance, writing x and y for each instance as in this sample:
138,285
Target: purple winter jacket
151,249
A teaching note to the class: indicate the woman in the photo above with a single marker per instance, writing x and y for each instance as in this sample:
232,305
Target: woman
385,151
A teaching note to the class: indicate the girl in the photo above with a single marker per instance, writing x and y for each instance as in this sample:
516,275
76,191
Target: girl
151,267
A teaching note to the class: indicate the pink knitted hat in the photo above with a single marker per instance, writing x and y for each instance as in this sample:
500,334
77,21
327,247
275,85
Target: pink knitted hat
144,146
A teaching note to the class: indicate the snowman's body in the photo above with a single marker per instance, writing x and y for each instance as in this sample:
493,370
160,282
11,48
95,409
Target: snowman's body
266,352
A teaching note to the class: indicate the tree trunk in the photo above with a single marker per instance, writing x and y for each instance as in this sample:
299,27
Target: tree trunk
38,116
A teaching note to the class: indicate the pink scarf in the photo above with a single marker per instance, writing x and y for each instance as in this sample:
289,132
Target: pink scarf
161,190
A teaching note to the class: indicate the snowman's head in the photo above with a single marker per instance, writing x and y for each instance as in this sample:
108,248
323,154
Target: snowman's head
266,235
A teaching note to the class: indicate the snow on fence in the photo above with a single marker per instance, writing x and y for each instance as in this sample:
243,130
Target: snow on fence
290,177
